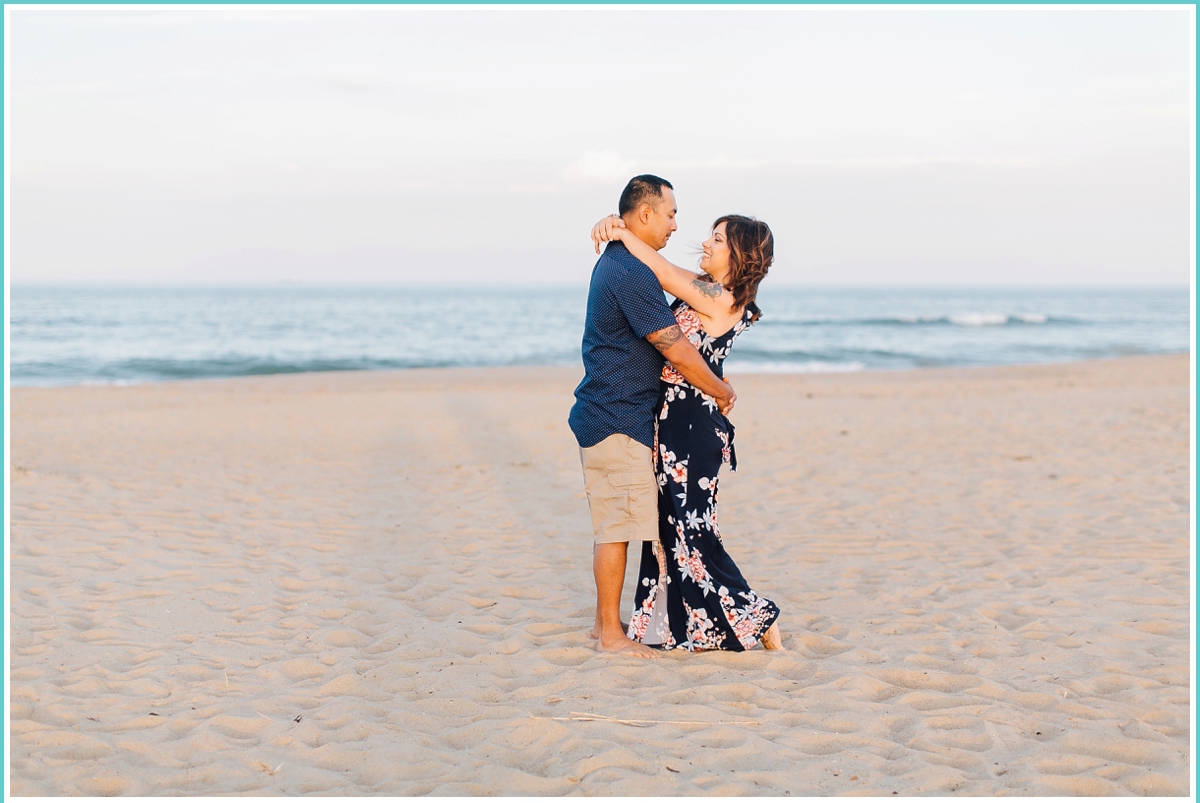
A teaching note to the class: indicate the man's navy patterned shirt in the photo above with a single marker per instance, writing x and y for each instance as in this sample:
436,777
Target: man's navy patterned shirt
619,390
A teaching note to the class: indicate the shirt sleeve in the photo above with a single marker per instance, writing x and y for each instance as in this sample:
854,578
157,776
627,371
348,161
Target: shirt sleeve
641,300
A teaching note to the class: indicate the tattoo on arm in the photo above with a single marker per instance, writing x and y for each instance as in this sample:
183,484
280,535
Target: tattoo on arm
665,338
710,289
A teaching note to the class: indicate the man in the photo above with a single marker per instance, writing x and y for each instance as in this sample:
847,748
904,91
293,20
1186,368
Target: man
628,332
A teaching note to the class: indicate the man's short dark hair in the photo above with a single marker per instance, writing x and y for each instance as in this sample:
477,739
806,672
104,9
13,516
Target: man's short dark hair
640,190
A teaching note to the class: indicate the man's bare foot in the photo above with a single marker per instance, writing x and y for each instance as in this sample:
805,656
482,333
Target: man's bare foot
625,646
773,639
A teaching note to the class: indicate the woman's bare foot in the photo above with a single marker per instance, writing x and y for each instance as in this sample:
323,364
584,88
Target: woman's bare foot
773,639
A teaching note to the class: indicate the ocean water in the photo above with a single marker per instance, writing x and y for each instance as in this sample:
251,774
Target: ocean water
86,335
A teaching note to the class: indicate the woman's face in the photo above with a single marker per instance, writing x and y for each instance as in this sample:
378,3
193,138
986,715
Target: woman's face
715,259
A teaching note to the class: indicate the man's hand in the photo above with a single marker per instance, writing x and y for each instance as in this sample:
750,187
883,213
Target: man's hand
726,406
606,230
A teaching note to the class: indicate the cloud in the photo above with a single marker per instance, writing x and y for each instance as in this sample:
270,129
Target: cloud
157,17
533,189
909,162
349,83
712,163
599,167
68,88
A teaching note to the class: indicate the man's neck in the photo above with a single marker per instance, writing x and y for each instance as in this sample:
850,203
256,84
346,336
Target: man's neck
639,232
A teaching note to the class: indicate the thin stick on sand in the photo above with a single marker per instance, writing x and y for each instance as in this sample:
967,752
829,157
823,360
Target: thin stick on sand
580,716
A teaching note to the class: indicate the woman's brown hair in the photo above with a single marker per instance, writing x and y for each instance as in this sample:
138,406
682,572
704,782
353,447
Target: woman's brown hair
751,252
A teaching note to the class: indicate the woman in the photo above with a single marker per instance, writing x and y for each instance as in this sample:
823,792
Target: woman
690,594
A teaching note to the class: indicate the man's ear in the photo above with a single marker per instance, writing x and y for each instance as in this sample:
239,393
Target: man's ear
645,212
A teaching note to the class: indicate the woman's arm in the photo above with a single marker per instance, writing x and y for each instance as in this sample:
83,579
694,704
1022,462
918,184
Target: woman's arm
707,298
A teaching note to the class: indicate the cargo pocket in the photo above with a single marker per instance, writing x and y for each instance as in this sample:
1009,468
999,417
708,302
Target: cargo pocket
627,480
640,500
625,485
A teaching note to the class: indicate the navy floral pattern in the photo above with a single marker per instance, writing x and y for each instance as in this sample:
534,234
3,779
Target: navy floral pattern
690,594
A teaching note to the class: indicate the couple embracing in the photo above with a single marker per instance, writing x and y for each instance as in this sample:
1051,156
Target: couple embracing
650,419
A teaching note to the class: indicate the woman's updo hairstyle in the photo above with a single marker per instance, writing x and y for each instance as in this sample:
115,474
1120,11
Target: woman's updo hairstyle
751,252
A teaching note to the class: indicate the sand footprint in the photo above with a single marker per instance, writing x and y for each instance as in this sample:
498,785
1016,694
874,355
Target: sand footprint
567,656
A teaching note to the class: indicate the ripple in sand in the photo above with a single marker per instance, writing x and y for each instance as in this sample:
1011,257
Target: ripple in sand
303,668
238,727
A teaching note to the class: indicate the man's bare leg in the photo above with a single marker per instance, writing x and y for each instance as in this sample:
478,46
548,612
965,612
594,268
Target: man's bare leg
596,626
608,565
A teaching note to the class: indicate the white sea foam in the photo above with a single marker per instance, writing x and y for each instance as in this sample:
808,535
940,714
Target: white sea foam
809,367
1033,317
110,382
979,319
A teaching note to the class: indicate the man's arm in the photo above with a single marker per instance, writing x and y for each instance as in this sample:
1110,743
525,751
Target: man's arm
706,297
683,355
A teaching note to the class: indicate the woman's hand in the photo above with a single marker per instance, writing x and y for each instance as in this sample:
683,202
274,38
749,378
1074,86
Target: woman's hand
609,228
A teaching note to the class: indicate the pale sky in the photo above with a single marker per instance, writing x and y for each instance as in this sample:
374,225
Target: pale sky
883,146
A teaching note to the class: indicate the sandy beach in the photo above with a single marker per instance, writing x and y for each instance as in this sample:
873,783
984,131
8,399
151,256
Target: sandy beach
380,583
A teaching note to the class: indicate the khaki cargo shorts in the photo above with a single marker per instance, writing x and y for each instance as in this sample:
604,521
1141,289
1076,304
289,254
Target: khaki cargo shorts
618,474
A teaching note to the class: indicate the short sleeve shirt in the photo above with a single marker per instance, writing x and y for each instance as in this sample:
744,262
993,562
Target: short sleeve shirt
619,390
